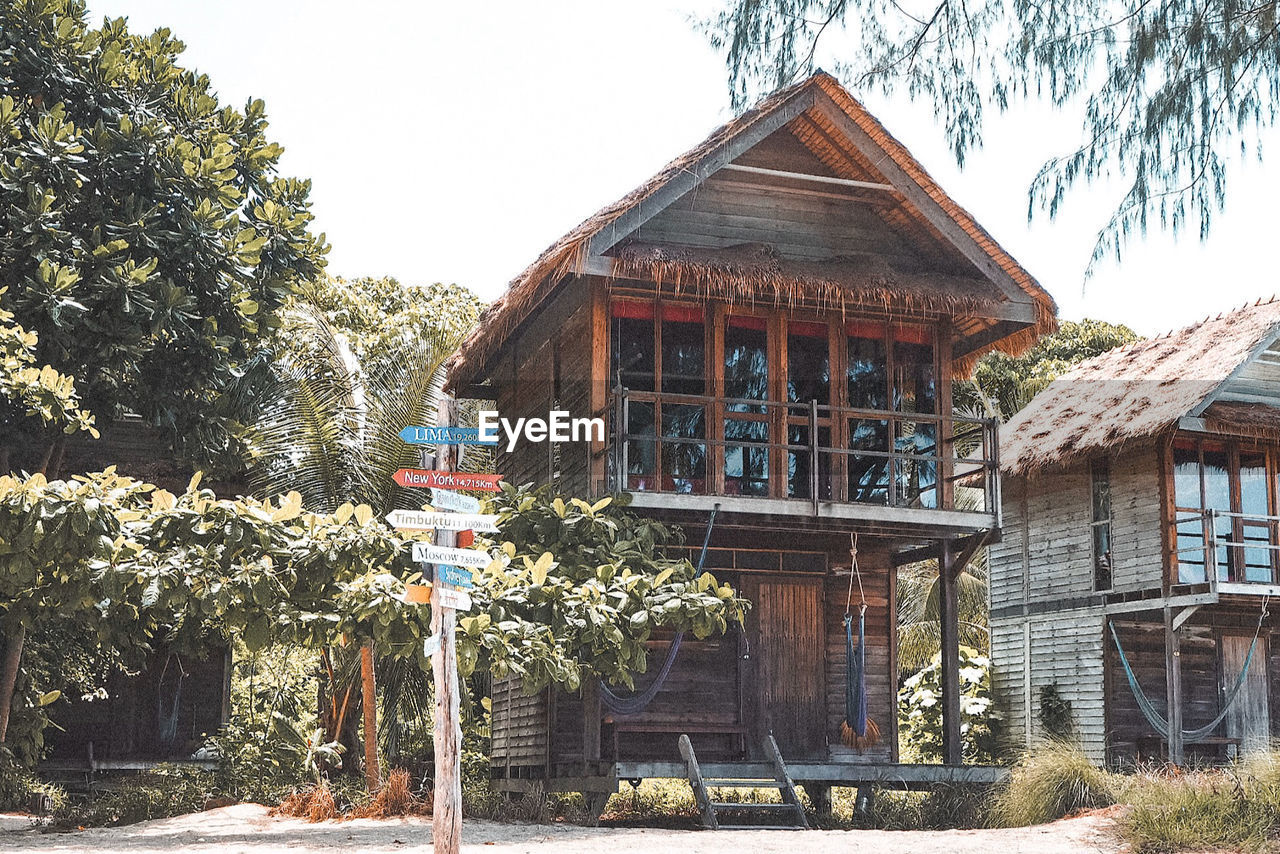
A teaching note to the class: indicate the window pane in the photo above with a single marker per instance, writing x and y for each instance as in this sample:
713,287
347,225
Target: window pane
641,447
633,360
868,369
915,381
1190,529
684,463
868,475
1217,496
1253,502
683,357
808,364
799,463
746,362
917,470
746,468
1101,492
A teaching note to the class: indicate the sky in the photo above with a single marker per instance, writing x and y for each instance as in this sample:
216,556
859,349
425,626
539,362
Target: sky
455,141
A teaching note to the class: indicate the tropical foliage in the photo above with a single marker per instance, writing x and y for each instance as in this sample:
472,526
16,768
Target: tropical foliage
144,233
920,711
138,567
37,391
1166,92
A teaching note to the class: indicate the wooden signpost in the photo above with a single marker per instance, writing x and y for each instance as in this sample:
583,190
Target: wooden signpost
448,590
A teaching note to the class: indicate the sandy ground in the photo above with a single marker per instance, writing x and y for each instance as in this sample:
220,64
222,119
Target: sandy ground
248,828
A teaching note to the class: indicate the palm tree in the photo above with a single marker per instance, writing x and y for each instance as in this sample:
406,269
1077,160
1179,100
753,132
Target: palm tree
329,428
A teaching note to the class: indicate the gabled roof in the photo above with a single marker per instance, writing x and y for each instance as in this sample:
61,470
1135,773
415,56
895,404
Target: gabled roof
849,141
1142,389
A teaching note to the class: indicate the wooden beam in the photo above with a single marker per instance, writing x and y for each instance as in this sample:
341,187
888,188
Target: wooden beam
1173,685
948,614
920,200
816,179
686,179
1008,325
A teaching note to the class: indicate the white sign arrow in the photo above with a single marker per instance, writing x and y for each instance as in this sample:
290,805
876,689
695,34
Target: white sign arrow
443,499
421,520
430,644
448,597
431,553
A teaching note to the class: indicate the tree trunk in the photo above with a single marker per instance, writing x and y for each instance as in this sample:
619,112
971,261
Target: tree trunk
14,640
372,773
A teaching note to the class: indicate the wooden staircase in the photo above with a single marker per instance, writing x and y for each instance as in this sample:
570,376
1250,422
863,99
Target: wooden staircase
788,815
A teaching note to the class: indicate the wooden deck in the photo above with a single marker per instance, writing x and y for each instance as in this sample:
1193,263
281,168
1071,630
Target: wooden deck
885,775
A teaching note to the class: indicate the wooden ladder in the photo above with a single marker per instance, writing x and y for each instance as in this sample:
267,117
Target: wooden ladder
788,815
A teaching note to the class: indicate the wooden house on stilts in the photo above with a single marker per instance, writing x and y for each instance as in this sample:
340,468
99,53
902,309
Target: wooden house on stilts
1141,545
769,325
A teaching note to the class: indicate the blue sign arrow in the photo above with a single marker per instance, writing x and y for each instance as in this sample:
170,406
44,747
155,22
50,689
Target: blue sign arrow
454,576
444,436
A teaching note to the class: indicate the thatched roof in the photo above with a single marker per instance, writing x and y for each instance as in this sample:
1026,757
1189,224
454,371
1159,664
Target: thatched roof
1140,390
755,272
813,127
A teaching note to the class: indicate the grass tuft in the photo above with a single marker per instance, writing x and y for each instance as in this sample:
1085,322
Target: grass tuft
1051,781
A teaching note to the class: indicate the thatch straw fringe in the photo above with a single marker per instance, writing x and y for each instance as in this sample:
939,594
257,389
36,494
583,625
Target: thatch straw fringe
754,273
1140,391
532,286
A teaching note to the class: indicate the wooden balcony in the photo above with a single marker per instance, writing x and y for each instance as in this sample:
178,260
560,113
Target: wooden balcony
806,463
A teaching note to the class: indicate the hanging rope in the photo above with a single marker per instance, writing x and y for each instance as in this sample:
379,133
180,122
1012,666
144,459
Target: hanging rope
857,730
1158,722
637,703
167,713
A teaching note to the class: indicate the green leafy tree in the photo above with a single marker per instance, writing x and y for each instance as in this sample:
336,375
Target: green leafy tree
1007,383
1166,92
37,391
920,711
144,234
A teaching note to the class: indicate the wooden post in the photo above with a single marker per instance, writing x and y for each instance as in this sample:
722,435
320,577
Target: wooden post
1173,685
952,747
446,815
369,701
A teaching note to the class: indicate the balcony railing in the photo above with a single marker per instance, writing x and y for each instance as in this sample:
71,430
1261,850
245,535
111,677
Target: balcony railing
1219,546
700,445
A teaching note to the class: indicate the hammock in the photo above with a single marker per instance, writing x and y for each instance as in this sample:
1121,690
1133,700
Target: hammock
1158,722
167,713
858,730
637,703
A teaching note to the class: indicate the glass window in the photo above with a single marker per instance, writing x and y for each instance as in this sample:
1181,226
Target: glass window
684,460
633,346
915,389
868,368
1254,530
746,426
1190,526
808,380
1101,524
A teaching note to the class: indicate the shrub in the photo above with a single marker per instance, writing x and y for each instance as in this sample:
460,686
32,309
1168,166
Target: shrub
1052,780
920,711
163,792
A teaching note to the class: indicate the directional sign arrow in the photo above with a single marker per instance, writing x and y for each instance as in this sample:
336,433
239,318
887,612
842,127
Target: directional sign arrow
430,644
421,520
447,597
430,553
443,499
444,436
454,576
425,478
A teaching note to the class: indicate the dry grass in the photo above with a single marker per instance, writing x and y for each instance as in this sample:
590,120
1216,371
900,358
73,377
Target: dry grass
395,798
314,804
1050,782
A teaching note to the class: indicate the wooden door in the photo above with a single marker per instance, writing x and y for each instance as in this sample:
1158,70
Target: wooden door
787,690
1249,718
